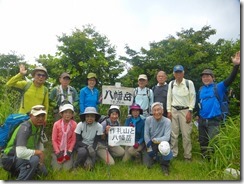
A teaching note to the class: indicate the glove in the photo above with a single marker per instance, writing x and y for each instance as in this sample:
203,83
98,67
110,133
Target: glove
149,144
67,157
136,145
131,125
60,157
151,154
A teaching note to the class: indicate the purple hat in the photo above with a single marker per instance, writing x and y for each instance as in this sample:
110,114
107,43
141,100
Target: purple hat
135,106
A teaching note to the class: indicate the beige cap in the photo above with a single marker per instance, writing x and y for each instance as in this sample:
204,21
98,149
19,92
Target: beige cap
142,76
38,109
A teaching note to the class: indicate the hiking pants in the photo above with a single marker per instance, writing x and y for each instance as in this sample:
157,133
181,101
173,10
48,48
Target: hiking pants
178,125
28,168
130,151
207,130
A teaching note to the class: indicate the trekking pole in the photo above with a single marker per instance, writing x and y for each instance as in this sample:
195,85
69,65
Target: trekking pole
107,162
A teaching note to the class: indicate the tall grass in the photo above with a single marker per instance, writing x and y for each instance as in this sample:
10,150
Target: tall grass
227,150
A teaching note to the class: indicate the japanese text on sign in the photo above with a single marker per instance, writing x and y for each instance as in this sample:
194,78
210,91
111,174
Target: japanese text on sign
121,135
117,95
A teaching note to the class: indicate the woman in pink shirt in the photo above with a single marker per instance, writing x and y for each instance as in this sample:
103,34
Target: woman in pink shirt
63,139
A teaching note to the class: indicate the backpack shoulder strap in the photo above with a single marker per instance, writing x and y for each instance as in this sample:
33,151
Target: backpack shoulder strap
216,92
172,84
187,83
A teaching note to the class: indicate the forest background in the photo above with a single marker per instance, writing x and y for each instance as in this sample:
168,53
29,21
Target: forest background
87,50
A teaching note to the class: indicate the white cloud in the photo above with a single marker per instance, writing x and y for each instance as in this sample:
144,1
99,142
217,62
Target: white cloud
30,27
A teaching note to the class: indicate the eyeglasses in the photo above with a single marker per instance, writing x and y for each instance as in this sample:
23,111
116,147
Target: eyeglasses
41,75
38,108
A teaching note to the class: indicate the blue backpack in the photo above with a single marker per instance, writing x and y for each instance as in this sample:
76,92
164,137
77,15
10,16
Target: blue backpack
10,124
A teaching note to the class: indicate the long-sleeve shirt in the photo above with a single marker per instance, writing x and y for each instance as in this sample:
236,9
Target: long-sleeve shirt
158,130
139,127
180,95
57,134
88,98
33,96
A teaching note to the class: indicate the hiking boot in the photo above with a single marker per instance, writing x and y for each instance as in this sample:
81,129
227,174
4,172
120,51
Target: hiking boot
165,171
188,160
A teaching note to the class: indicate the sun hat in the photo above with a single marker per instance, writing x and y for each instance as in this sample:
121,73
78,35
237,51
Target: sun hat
113,108
179,68
156,103
39,68
207,72
38,109
164,149
142,76
90,110
66,107
63,75
135,106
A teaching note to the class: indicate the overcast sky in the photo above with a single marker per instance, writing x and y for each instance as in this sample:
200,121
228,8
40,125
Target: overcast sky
31,27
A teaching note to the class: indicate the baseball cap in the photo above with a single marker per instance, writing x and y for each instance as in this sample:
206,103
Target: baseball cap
91,75
179,68
164,149
38,109
142,76
63,75
66,107
207,72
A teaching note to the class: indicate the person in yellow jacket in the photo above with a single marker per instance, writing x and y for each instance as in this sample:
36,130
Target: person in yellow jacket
35,92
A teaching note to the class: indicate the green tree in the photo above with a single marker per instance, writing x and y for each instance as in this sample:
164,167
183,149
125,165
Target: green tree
83,52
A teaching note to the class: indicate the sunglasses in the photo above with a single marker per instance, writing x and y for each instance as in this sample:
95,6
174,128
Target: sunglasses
41,75
38,108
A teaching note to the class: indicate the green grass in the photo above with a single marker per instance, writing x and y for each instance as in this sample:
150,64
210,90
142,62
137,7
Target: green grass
197,170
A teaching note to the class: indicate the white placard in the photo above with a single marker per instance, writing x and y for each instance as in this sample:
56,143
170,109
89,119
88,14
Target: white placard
121,135
117,95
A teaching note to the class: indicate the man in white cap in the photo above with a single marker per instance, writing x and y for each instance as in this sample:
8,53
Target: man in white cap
33,92
23,147
157,129
143,96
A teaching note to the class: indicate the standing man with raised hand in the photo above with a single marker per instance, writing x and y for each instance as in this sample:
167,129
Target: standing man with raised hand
63,94
160,90
209,105
181,100
143,96
34,91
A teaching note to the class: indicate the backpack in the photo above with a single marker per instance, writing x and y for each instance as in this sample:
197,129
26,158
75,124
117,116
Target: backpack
8,127
224,104
102,118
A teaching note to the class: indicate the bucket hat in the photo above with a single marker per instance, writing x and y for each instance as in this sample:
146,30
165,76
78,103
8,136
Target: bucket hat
66,107
164,149
39,68
207,72
135,106
113,108
90,110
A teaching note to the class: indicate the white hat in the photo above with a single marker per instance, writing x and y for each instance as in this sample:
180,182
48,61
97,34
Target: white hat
66,107
142,76
113,108
38,109
164,149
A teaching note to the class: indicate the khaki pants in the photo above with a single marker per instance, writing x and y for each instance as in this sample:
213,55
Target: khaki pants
106,153
179,125
130,151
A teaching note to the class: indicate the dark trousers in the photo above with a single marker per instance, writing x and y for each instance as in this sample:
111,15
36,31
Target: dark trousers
207,129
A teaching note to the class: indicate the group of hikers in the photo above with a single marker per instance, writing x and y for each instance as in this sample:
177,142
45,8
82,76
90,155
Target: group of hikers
158,115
